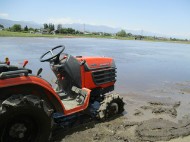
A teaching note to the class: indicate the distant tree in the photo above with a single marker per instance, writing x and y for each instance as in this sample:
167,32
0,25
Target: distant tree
173,39
95,33
26,28
51,27
129,34
59,27
71,31
36,30
1,26
77,32
107,34
31,29
16,28
68,31
122,33
46,26
64,31
8,29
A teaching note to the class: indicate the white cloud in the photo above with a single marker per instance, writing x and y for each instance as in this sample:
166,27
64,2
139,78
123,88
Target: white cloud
64,20
4,15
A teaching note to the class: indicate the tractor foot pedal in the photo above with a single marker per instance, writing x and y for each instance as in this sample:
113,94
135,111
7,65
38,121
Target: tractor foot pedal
76,90
79,91
63,95
81,94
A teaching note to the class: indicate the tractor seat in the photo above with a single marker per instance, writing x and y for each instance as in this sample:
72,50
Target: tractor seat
5,68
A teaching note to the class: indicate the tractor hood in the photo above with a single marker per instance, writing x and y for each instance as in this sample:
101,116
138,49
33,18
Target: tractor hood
93,63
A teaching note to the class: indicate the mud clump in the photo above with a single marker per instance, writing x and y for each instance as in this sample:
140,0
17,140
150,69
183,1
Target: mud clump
177,104
138,113
171,111
96,137
162,108
156,103
160,129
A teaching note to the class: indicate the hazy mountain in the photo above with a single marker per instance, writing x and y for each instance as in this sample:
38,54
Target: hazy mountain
107,29
9,23
92,28
81,27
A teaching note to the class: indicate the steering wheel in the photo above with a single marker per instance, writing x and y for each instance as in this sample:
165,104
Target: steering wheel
62,48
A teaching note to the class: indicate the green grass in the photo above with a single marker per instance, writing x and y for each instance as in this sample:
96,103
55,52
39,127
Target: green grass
22,34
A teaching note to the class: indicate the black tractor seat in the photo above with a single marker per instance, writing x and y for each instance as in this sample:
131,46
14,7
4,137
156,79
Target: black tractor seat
7,71
5,68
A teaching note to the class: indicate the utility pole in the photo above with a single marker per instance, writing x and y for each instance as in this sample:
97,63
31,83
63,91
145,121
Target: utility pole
84,28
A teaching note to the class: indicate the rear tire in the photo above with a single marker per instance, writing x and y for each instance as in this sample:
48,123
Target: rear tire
112,105
24,119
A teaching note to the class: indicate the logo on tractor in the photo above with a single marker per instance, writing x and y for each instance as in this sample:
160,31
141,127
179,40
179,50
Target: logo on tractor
105,64
93,65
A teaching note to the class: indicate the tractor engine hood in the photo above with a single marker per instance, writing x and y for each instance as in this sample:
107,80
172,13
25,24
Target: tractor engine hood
93,63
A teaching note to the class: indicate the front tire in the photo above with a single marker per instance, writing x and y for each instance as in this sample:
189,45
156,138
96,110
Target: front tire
112,105
24,119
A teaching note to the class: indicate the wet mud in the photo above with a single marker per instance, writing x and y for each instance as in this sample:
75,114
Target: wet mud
146,119
160,129
160,108
121,130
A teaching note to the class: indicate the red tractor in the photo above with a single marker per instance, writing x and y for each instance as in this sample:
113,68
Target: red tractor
29,106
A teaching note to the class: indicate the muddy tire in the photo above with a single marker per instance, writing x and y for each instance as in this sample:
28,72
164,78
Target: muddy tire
24,119
111,105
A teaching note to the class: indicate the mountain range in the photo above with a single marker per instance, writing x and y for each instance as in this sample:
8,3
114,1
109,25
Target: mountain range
81,27
9,23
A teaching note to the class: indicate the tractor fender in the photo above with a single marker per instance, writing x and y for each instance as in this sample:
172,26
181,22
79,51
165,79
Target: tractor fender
31,85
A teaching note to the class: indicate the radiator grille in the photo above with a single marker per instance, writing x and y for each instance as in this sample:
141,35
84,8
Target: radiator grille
104,76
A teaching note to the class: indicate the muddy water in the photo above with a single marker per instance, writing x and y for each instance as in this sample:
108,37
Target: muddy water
141,65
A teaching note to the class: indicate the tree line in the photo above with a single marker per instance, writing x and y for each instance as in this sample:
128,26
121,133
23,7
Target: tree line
60,30
50,28
17,28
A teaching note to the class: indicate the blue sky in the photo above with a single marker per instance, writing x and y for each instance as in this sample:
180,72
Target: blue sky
169,17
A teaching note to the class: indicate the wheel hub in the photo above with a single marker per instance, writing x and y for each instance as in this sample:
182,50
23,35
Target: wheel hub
18,130
114,108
